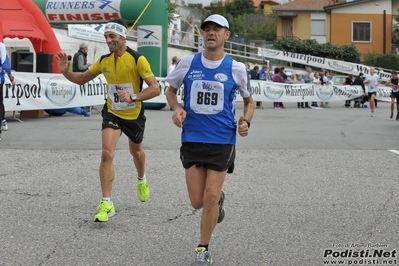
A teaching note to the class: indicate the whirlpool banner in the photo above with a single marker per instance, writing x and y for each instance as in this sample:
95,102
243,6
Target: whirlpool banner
37,91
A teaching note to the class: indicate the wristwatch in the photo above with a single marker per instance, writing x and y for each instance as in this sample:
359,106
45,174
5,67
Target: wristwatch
12,78
248,122
133,98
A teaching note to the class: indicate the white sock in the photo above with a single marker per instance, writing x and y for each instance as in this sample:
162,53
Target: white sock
141,179
108,200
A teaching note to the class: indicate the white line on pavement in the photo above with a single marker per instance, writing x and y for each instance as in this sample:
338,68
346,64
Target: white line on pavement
394,151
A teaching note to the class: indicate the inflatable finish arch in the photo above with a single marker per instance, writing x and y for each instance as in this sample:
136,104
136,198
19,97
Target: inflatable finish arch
23,19
152,25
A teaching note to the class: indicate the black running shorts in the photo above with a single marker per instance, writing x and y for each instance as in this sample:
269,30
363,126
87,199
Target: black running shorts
371,93
218,157
133,129
395,95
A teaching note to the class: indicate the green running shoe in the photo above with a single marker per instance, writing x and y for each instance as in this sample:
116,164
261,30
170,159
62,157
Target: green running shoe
104,211
143,191
203,257
221,208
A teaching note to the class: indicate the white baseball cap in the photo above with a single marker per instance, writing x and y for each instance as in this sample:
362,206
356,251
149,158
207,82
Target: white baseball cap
218,19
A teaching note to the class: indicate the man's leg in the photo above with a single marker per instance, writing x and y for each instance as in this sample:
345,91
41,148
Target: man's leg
392,106
397,107
106,208
143,191
210,212
110,138
204,188
138,157
372,102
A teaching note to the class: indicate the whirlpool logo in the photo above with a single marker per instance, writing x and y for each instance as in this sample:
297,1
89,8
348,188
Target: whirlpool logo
273,93
60,91
325,92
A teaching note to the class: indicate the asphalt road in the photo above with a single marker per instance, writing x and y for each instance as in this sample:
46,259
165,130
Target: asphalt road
309,187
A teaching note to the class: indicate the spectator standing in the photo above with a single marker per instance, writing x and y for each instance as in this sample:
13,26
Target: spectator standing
79,62
301,80
316,81
285,77
254,73
263,73
262,76
349,80
175,37
5,67
308,77
277,77
172,66
327,81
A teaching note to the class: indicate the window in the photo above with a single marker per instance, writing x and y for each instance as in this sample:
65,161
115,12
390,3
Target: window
361,31
318,27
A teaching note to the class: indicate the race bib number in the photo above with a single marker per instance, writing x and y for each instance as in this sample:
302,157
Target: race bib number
207,97
113,95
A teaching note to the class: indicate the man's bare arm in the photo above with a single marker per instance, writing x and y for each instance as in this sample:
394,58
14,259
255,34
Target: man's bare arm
79,78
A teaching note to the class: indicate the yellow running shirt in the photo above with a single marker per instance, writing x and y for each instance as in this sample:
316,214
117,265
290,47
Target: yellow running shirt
127,73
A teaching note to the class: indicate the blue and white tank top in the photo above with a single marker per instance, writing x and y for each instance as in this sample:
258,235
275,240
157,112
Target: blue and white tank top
209,98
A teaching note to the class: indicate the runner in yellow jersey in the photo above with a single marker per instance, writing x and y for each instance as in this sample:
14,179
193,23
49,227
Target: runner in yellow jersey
125,70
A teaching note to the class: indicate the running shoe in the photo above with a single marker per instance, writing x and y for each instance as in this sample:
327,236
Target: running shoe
143,191
4,126
105,211
0,136
202,258
221,208
372,113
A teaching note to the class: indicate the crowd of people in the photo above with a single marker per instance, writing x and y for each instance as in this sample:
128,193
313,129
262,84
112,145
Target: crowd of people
324,77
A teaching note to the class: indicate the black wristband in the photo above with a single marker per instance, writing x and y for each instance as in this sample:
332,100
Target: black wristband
248,122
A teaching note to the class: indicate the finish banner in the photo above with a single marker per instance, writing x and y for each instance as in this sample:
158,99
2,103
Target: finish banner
41,91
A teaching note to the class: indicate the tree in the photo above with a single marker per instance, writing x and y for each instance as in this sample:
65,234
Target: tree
171,11
347,53
259,26
240,7
388,61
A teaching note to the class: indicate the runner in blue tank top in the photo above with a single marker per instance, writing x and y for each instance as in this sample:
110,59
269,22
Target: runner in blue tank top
207,117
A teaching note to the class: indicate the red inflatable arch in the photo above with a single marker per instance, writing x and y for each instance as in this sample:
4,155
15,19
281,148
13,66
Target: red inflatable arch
23,19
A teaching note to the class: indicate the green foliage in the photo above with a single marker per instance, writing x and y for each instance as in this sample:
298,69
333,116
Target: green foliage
388,61
370,58
171,10
258,26
312,47
240,7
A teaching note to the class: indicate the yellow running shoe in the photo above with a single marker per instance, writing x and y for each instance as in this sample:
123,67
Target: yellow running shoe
104,211
143,191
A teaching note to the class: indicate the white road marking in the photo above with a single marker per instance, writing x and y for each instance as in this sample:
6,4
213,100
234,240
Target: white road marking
394,151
